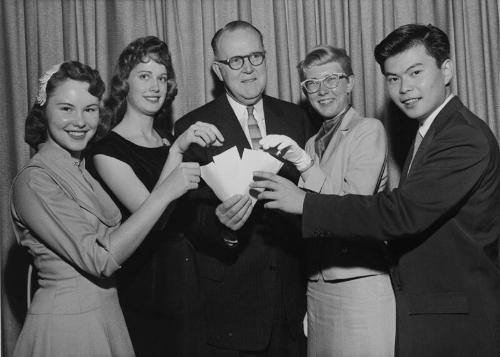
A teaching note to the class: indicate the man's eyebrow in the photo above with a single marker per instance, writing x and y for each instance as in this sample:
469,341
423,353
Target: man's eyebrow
406,70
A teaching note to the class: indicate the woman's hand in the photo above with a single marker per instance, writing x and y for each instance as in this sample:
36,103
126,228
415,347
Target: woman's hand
288,149
200,133
185,177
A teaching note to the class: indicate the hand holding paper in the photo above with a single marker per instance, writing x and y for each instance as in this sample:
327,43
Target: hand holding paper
234,212
279,193
203,134
288,149
230,175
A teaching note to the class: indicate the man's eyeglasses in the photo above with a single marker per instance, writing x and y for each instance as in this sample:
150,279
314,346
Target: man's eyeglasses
237,62
330,81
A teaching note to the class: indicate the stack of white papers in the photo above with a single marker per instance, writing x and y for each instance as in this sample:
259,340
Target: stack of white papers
229,174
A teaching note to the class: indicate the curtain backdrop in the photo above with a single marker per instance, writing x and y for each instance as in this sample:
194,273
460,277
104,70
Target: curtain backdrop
34,35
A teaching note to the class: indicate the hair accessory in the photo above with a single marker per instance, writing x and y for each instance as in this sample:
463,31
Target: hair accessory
41,98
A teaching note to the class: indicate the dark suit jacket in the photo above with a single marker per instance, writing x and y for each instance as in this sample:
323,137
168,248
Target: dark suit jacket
243,285
443,227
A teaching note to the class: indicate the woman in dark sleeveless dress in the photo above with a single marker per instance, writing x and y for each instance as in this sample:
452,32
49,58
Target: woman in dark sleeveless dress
158,286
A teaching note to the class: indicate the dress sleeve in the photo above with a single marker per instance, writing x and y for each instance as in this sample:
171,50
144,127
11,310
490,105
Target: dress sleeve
112,147
42,209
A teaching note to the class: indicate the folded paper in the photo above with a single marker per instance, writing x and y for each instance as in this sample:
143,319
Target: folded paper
229,174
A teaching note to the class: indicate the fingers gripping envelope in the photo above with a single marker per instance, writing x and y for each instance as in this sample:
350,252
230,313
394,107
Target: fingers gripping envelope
229,174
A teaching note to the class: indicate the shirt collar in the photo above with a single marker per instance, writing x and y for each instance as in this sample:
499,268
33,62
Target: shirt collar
428,121
241,112
59,155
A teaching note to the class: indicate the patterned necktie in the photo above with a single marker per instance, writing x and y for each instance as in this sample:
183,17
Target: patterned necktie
418,141
253,129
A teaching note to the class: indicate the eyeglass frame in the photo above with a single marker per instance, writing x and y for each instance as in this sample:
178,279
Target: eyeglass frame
322,81
227,61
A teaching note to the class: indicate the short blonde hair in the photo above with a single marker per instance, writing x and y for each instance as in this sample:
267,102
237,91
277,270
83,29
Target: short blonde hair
325,54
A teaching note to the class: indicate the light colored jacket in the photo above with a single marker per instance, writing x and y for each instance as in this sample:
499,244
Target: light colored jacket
354,162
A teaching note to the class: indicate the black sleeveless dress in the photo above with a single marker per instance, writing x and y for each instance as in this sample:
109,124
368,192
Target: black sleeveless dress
158,285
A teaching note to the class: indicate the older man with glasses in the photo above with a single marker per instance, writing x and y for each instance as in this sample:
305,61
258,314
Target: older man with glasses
250,259
350,302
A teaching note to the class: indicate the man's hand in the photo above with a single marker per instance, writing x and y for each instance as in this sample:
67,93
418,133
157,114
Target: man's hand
281,193
234,212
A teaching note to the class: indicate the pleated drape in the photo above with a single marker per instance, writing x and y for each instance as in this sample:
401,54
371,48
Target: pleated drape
35,34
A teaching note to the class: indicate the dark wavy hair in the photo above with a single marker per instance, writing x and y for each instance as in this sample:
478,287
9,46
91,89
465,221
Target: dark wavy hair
435,41
36,126
140,50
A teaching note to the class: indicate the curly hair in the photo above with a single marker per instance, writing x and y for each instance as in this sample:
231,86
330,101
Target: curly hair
140,50
36,126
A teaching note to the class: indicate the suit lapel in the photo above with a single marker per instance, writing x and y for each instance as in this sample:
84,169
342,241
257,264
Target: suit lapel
230,127
349,120
276,123
441,119
275,120
404,170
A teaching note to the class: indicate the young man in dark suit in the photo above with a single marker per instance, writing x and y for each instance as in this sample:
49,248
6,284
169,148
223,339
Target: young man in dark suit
250,259
441,224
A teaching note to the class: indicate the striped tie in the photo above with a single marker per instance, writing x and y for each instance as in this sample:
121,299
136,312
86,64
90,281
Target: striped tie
253,129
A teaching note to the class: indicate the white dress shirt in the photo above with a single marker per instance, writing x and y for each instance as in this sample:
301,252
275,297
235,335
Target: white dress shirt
241,113
430,119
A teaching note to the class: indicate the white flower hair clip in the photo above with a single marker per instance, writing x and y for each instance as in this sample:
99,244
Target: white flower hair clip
41,98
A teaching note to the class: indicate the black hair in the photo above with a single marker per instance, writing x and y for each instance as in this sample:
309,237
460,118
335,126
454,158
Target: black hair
435,41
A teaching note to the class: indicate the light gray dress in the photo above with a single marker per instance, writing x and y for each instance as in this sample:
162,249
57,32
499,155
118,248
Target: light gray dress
64,219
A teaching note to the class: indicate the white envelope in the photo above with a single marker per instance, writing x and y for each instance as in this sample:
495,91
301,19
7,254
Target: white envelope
229,174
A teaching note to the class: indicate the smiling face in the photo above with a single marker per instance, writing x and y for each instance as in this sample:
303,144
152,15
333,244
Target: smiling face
415,82
246,84
72,116
147,84
326,101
